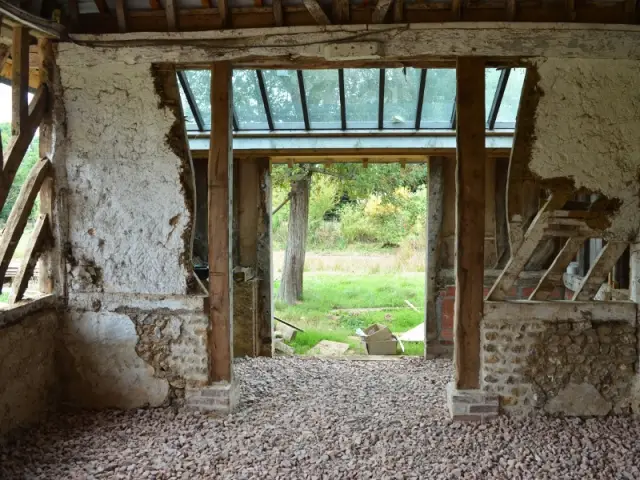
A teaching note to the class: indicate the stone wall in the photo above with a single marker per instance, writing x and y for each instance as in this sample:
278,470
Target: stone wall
579,367
28,378
133,334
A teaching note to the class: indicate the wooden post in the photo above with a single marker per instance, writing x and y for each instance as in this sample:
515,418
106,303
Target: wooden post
264,259
434,227
19,79
470,213
220,174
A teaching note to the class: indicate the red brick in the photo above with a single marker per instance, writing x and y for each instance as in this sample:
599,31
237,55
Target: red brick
526,292
451,291
447,313
446,334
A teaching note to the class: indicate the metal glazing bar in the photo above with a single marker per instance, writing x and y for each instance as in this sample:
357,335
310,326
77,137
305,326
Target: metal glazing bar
195,111
452,125
265,100
497,98
421,88
381,99
235,120
343,107
303,100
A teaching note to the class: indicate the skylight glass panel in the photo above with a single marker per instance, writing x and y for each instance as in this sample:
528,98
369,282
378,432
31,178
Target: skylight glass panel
361,93
439,98
323,98
511,100
200,83
247,101
491,78
190,120
283,94
401,87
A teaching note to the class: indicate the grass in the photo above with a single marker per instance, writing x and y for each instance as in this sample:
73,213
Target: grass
325,293
4,297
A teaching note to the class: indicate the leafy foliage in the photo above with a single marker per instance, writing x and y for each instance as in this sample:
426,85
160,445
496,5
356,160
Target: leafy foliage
27,164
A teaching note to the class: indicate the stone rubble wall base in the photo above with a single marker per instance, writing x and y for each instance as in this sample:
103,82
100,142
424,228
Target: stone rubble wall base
471,405
220,397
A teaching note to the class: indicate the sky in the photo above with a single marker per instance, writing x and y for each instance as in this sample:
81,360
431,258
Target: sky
5,103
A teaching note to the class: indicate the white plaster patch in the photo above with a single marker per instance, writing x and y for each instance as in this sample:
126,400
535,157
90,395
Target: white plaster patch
126,207
102,368
588,128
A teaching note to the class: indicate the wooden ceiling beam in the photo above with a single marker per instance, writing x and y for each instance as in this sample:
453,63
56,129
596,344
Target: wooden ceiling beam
317,12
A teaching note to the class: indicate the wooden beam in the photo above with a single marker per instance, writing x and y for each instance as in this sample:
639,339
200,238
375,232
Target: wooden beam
20,212
264,270
340,11
317,12
121,15
19,79
102,6
36,25
277,13
511,10
380,11
470,213
220,176
40,238
434,227
597,274
225,13
18,145
398,11
171,9
552,278
456,10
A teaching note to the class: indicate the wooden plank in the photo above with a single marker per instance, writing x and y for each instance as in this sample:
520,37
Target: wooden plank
380,11
220,176
19,79
48,75
40,238
340,11
561,311
277,13
317,12
552,278
19,144
171,9
20,213
599,270
470,212
520,257
435,211
121,15
225,13
36,25
398,11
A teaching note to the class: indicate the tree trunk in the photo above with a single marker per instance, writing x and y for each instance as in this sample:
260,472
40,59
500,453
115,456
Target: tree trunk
291,286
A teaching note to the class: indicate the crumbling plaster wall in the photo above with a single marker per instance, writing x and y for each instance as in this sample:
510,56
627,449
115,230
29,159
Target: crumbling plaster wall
28,375
587,128
132,335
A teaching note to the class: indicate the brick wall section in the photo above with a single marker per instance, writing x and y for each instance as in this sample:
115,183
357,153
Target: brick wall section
529,362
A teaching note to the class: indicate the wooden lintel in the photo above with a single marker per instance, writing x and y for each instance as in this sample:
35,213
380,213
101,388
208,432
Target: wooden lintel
36,25
380,11
552,278
597,274
317,12
220,179
19,144
470,219
171,9
20,212
40,238
19,79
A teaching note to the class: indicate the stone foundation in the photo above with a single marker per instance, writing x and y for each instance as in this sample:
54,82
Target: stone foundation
471,405
581,367
220,397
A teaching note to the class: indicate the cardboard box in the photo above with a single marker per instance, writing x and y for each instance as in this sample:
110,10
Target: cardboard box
378,340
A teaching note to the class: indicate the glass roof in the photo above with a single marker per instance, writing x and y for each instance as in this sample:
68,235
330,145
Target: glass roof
348,99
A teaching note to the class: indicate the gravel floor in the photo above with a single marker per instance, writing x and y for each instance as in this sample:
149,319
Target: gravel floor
325,419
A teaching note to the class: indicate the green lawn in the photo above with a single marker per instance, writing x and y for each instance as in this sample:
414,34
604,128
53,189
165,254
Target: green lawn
326,292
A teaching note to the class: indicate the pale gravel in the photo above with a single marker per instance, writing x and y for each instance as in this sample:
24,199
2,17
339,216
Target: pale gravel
325,419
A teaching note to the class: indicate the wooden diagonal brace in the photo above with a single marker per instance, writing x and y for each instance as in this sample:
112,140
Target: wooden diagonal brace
19,215
553,276
380,12
40,239
597,274
317,12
